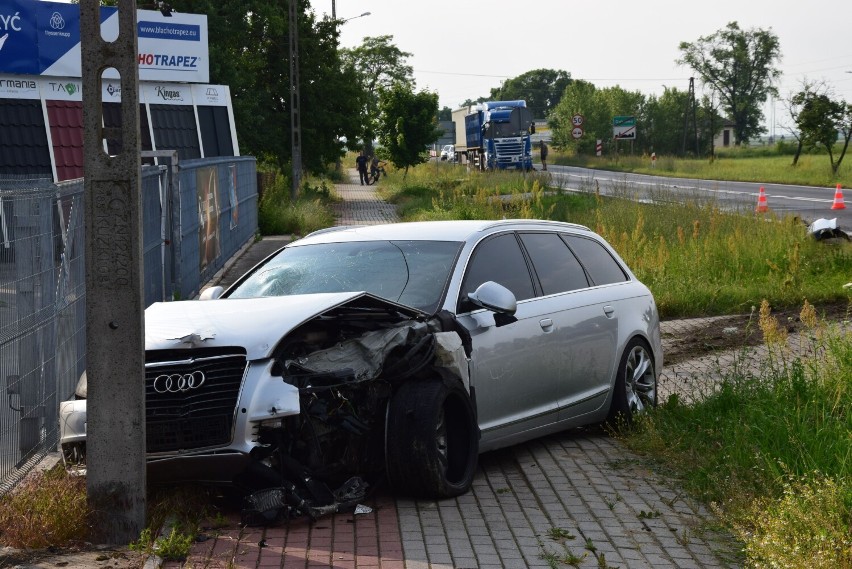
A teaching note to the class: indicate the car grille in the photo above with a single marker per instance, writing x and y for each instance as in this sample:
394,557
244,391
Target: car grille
192,417
508,149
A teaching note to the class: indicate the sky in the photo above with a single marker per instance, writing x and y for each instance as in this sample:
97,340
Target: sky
462,49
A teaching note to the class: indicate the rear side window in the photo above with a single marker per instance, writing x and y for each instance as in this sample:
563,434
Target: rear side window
555,265
498,259
602,268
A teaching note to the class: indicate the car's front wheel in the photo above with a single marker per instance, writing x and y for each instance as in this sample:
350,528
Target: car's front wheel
635,384
432,439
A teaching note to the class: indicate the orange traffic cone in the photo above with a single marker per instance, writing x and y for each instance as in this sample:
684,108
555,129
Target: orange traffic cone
761,202
838,199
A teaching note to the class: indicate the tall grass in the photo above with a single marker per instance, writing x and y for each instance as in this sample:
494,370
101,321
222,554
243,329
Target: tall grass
278,214
697,258
772,452
50,509
46,508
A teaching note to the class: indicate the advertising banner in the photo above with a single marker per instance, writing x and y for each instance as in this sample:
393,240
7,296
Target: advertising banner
12,87
43,38
207,188
166,94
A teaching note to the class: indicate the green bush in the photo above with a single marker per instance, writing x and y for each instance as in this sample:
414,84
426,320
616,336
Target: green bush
279,215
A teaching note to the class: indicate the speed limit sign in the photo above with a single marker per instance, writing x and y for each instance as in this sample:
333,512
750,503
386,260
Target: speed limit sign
577,132
577,120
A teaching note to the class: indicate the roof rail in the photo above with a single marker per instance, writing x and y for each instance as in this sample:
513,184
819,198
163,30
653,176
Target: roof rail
331,230
501,222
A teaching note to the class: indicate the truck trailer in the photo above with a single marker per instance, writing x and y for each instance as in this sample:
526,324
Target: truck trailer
494,134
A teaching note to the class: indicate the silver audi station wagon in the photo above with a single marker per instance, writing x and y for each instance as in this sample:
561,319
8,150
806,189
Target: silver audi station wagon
395,352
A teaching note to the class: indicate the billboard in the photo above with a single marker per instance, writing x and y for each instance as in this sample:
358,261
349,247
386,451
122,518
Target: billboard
43,38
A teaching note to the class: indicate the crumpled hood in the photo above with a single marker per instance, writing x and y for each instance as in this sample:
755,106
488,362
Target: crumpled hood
256,324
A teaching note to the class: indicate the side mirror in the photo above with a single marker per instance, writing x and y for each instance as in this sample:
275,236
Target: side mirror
494,297
211,293
532,128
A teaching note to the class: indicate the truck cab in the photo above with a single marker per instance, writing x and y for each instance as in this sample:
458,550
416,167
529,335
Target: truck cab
497,135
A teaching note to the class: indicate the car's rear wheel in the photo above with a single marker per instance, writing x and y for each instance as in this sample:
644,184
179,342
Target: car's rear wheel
432,439
635,384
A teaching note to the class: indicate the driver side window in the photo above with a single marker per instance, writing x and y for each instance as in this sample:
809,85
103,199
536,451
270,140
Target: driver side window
498,259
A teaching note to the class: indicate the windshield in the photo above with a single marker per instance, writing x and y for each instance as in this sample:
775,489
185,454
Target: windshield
413,273
504,130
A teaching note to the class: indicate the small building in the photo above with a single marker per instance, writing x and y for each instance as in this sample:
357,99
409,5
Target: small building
726,137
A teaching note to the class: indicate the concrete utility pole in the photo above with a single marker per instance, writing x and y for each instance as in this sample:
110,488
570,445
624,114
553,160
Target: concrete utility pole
115,334
295,103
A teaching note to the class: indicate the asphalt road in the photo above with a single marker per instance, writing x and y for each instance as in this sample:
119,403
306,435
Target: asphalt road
807,202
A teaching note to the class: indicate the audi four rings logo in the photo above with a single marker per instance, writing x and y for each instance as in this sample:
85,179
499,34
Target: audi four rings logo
178,382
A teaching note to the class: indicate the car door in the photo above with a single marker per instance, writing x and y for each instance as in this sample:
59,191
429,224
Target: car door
603,304
508,362
583,327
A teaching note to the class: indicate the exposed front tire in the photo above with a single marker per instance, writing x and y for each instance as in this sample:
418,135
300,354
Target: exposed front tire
432,439
635,384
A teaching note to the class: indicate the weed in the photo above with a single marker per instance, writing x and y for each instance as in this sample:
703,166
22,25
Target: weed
643,515
548,556
602,564
611,503
570,558
45,509
590,545
173,547
560,534
503,490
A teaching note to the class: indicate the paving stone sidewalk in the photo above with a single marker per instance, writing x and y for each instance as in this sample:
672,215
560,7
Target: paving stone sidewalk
576,499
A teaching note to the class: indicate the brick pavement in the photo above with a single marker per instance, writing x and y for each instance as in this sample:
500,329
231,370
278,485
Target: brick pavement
577,499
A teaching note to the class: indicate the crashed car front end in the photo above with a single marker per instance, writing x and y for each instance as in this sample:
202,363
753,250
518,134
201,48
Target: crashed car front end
287,395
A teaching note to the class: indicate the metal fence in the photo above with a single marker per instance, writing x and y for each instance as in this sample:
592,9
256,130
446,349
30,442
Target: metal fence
196,215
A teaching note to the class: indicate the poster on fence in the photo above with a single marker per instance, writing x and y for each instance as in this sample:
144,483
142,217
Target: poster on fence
232,195
208,215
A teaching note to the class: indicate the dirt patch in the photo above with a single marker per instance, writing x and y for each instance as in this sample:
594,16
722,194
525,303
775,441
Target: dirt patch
84,557
695,337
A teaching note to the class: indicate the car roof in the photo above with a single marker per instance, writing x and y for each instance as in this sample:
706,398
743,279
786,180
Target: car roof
464,230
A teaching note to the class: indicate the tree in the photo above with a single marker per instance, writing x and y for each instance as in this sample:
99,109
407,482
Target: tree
598,107
445,114
380,65
794,104
542,89
820,120
248,51
407,124
740,66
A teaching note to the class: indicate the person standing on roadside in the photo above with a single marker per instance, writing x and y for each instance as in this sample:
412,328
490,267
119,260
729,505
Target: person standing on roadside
361,164
543,155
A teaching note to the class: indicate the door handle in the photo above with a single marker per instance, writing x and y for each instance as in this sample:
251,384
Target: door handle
546,324
609,311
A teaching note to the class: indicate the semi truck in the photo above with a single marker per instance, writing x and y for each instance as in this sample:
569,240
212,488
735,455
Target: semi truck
494,135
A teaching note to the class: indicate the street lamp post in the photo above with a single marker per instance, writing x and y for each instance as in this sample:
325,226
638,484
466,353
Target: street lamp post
354,17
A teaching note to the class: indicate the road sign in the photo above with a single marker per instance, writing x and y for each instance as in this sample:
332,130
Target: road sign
624,127
624,132
577,132
619,120
578,120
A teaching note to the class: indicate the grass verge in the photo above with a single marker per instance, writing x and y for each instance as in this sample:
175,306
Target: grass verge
771,450
696,258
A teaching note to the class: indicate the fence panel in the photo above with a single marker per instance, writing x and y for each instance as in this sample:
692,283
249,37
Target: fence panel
43,280
218,215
